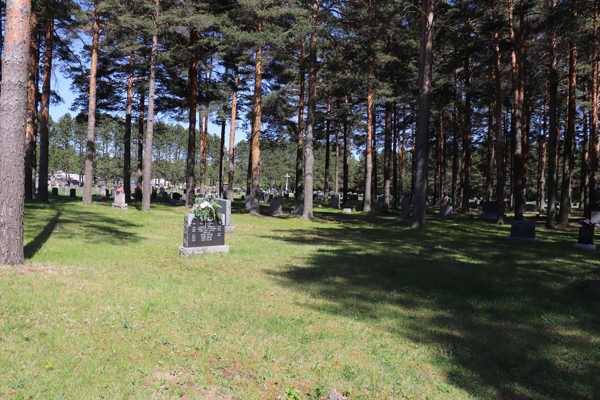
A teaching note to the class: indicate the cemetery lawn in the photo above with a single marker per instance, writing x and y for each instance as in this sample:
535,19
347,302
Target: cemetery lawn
106,308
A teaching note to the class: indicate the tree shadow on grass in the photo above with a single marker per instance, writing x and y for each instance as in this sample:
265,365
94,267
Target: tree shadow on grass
502,313
89,226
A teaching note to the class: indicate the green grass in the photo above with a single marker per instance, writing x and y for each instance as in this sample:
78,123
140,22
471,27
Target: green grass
106,308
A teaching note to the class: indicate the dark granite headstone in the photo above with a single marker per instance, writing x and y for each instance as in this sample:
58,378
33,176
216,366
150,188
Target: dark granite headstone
445,211
490,207
286,195
380,199
55,191
405,212
530,208
225,211
276,205
201,234
73,193
523,229
335,201
153,197
472,205
586,235
176,196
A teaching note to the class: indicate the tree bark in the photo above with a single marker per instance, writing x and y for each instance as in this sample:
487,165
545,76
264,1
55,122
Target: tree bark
426,63
565,201
256,117
91,129
394,155
346,152
300,134
500,174
585,162
13,113
44,114
127,139
222,161
552,153
310,119
387,156
327,151
139,172
490,154
542,149
190,182
231,150
595,139
468,138
369,149
30,127
150,129
518,115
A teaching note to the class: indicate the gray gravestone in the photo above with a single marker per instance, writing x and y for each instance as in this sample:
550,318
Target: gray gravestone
335,201
120,201
490,210
225,211
446,211
248,203
405,212
299,206
380,199
523,230
276,205
202,237
596,217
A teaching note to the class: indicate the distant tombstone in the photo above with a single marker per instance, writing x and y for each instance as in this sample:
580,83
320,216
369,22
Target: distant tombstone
225,211
380,199
299,206
266,197
446,211
490,210
523,230
162,190
73,193
202,237
120,201
530,208
176,196
153,196
114,193
586,235
405,212
596,217
248,203
66,190
276,205
243,197
55,191
184,191
335,201
286,195
347,211
473,205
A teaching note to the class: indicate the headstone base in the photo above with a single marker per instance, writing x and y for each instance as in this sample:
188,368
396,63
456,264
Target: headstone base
197,251
526,239
489,216
122,206
347,211
404,220
229,229
585,246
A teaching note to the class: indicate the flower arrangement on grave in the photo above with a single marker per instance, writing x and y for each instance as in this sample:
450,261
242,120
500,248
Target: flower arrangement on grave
120,190
205,210
588,223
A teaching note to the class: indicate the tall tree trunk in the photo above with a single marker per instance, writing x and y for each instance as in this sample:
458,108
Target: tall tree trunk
468,138
500,172
584,193
13,113
249,169
542,149
127,139
139,172
300,134
552,164
91,129
490,154
425,72
442,156
369,152
222,161
374,188
395,155
595,138
455,144
526,126
327,149
44,113
310,118
190,173
231,150
150,129
518,114
202,146
336,190
30,127
402,158
346,152
565,201
387,156
256,117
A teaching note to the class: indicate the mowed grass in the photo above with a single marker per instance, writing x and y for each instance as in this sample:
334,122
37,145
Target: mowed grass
106,308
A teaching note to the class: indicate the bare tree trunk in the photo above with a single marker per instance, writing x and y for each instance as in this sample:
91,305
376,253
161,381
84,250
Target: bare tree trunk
300,134
455,145
442,156
584,199
425,73
150,129
202,148
139,172
91,129
402,160
374,188
190,174
565,201
127,139
231,150
552,164
256,117
13,114
44,114
336,189
346,152
468,138
310,119
500,174
518,115
387,157
327,149
222,162
395,155
490,154
595,138
542,158
30,127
